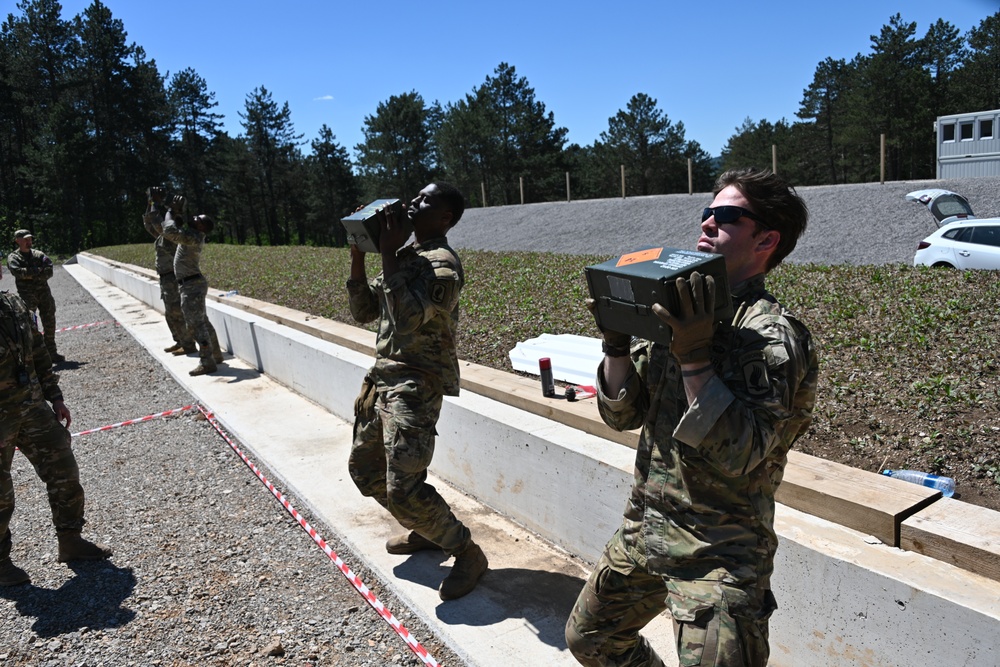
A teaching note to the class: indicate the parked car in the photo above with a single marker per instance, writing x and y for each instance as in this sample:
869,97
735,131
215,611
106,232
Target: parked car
962,240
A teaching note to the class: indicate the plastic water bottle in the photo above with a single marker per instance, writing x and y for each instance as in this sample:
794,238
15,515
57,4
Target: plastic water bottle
232,292
946,485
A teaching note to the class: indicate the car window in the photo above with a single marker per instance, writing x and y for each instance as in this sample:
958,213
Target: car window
960,234
986,236
950,204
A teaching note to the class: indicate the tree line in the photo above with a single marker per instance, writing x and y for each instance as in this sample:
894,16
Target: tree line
87,122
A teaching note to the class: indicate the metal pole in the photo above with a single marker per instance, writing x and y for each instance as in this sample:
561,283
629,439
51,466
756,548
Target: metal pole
521,181
882,151
567,187
774,158
623,181
690,179
482,185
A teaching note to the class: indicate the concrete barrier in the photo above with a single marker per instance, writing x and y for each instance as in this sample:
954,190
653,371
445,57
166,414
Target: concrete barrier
846,597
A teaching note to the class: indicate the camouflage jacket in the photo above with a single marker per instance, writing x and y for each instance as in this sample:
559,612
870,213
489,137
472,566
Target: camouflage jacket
164,248
25,366
417,310
702,503
31,269
190,242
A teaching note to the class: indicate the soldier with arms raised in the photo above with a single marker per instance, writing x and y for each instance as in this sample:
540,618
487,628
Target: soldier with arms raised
415,300
719,408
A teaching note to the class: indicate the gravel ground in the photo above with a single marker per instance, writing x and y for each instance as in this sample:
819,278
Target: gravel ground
867,223
208,568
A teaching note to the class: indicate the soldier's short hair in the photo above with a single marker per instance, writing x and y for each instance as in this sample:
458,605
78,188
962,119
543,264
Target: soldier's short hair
207,223
453,199
773,199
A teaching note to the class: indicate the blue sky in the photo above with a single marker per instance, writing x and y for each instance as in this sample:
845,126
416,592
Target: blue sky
709,65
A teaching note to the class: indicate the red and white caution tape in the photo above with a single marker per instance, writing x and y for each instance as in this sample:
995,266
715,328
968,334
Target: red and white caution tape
84,326
147,418
356,581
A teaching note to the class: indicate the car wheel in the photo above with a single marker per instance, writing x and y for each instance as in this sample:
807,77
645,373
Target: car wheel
942,265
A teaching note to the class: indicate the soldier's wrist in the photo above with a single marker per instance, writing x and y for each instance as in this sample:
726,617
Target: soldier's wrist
615,350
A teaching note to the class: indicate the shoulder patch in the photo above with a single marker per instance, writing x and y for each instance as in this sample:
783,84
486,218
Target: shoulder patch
442,291
755,377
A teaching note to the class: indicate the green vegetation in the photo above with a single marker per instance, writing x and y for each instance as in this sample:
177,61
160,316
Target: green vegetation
909,357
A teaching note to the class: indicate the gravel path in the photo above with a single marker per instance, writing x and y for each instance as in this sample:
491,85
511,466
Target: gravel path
208,568
867,223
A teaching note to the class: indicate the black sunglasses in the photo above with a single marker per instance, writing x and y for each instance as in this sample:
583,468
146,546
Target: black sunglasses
727,215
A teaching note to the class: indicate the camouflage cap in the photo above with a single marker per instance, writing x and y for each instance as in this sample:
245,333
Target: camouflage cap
21,233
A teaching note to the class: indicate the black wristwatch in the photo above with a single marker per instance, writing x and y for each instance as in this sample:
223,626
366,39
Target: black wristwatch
610,351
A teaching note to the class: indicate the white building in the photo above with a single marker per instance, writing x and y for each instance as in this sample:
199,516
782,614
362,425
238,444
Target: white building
968,144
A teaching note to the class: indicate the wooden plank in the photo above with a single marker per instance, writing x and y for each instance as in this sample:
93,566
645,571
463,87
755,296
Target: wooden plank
865,501
967,536
526,394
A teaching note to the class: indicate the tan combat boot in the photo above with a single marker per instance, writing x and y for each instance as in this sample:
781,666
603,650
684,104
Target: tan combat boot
206,367
176,347
409,543
12,575
73,547
470,565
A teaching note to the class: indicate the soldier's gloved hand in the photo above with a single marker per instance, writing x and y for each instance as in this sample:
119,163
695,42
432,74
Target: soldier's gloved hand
693,327
178,204
615,341
154,194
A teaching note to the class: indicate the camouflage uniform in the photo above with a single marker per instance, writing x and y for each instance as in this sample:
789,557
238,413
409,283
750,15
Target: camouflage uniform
165,249
193,287
28,423
31,271
698,531
416,365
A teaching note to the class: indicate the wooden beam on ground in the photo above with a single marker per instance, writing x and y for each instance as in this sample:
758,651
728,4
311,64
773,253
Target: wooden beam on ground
967,536
865,501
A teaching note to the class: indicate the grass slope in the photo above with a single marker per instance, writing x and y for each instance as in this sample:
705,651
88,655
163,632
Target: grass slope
909,355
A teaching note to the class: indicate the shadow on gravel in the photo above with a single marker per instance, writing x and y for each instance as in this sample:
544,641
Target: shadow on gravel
69,365
91,599
543,599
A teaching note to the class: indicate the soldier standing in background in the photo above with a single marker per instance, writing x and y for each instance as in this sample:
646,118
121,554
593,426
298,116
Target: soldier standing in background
29,424
165,250
31,270
193,286
415,300
719,408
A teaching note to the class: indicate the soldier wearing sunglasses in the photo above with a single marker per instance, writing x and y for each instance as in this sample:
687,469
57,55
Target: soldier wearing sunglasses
719,408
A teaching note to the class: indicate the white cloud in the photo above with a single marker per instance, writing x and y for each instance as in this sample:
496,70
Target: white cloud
324,97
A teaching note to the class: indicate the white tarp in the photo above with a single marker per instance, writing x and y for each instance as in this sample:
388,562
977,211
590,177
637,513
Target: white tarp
574,358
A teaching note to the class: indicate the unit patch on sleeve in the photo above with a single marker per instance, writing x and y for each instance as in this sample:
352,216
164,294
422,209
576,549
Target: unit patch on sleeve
754,365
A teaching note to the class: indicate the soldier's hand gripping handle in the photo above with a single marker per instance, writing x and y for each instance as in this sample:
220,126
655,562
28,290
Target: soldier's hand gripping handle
693,327
616,344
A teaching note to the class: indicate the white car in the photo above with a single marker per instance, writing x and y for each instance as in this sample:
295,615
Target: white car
962,240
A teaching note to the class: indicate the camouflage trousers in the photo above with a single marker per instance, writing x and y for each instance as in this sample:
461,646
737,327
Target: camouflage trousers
40,298
170,293
34,429
193,294
715,624
393,445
